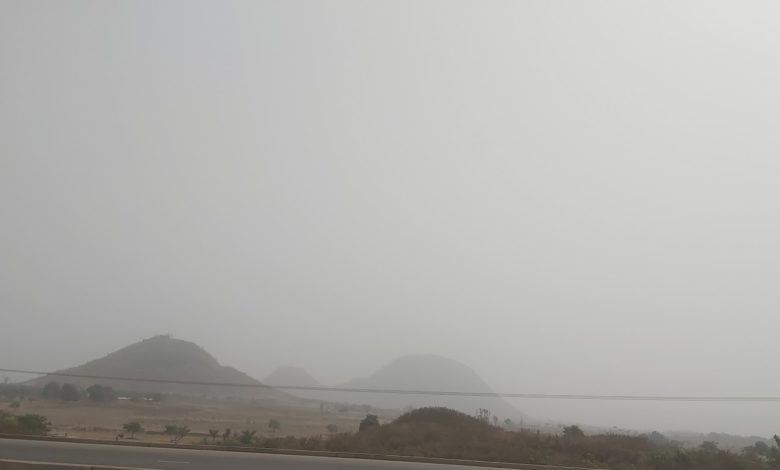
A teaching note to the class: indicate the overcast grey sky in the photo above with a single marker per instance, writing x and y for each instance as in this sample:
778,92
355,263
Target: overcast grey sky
569,197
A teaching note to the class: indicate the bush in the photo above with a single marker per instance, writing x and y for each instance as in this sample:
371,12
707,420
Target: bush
573,432
133,427
28,424
368,423
34,424
247,437
274,425
176,433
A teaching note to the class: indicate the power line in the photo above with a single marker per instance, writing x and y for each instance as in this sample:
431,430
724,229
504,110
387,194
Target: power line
685,398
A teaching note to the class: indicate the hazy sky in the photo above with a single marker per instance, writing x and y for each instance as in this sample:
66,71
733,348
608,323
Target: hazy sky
569,197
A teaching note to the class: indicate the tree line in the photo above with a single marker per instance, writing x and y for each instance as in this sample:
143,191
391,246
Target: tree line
96,393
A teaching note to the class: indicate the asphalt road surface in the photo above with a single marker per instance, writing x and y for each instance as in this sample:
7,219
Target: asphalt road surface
183,459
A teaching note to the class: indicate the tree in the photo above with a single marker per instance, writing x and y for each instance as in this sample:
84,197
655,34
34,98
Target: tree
181,433
761,448
132,428
9,392
274,425
657,438
332,428
483,414
214,433
508,422
247,437
774,454
709,447
69,392
368,423
51,391
495,420
226,434
100,394
573,432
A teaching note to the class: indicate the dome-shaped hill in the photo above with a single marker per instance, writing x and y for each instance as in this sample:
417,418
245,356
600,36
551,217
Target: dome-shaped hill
430,432
440,416
295,377
163,358
428,372
158,357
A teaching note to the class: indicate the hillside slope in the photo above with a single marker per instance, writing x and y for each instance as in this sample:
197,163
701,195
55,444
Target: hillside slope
165,358
295,377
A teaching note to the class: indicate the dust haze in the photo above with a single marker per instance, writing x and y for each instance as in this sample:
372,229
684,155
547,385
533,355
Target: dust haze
568,197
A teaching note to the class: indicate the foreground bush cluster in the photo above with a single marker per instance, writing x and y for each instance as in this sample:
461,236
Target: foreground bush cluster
440,432
27,424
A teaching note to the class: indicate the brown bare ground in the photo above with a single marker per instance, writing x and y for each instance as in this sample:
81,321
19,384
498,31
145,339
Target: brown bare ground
105,420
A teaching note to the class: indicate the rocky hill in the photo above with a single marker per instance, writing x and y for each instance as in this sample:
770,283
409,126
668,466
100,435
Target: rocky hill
427,373
295,377
166,358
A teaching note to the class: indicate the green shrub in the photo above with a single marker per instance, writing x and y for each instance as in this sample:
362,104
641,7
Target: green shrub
132,428
368,423
27,424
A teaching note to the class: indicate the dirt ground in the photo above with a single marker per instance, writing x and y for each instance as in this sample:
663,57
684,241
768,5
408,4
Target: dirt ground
105,420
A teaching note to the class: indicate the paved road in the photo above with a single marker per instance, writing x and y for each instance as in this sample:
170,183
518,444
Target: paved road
182,459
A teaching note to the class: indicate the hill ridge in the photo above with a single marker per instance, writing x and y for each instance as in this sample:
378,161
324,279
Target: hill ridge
292,376
163,357
295,377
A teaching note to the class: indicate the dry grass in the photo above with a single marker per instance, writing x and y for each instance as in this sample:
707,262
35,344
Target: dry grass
105,420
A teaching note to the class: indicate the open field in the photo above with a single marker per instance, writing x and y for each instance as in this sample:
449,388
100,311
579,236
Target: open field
105,420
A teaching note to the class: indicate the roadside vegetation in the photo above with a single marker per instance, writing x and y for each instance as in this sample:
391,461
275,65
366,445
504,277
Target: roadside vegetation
176,433
445,433
26,424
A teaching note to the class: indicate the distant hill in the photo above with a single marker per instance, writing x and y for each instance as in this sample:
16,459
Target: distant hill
296,377
165,358
427,373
